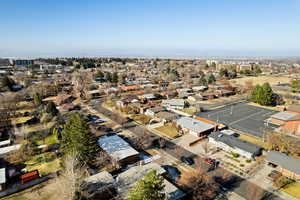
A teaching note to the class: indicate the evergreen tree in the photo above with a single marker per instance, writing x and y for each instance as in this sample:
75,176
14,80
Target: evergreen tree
108,76
203,81
268,95
37,98
149,188
211,79
254,93
77,137
51,109
223,72
115,77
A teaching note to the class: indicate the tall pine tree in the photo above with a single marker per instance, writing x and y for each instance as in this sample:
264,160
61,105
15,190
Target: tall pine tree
77,137
151,187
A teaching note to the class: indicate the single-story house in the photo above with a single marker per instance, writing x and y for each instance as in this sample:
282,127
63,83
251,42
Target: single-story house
118,149
166,116
100,185
2,179
195,98
195,127
5,143
288,121
286,165
174,103
60,99
127,179
154,110
233,144
8,149
127,88
199,88
147,97
111,90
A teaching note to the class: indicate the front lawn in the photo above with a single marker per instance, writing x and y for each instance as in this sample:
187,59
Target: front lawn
293,189
168,130
189,110
51,139
144,119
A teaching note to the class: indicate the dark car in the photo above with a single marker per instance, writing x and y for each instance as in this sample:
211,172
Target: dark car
77,107
172,171
187,160
114,131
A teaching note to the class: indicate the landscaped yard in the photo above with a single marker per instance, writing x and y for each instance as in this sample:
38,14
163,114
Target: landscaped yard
19,120
144,119
189,110
45,163
39,127
293,189
168,130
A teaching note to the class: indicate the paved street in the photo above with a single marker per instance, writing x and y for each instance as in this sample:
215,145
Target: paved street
237,185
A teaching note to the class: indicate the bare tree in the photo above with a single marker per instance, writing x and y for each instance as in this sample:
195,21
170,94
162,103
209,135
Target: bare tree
69,183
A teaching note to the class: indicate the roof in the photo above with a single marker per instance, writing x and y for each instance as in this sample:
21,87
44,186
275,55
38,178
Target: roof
174,102
116,147
4,142
99,181
8,149
166,115
194,124
2,176
127,179
285,116
234,142
157,109
284,161
294,108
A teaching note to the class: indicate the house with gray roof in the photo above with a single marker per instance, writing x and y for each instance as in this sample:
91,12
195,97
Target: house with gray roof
128,179
174,103
233,144
2,178
284,164
195,127
118,149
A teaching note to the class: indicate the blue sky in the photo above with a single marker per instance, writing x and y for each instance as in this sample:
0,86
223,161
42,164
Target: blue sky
149,28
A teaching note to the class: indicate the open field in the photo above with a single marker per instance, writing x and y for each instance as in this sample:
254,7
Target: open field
168,131
293,189
273,80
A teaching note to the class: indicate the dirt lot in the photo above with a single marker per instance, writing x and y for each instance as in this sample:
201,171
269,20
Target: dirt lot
261,79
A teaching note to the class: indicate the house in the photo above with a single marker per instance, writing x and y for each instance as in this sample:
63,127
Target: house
152,111
288,121
147,97
5,143
286,165
174,104
2,179
99,186
128,88
166,116
8,149
233,144
118,149
128,178
195,98
61,99
195,127
200,88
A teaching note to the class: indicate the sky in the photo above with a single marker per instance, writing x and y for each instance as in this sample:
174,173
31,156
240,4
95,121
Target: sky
171,28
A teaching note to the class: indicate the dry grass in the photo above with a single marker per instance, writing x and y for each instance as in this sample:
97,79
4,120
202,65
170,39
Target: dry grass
293,189
19,120
253,140
260,106
168,130
273,80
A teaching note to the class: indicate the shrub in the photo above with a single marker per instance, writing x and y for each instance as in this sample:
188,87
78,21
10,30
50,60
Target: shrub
248,161
242,165
235,155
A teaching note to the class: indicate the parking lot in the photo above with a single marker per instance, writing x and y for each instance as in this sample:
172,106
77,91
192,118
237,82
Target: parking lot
242,117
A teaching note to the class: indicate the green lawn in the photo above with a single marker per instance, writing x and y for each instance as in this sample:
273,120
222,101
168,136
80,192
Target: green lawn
168,130
51,139
293,189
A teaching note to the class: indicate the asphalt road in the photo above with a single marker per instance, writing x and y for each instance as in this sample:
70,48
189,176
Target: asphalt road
237,184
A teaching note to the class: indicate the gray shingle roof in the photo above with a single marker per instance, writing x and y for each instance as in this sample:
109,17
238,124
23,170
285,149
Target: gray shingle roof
284,161
235,142
2,176
194,125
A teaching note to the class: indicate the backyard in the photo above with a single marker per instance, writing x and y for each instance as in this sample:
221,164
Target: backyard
168,130
293,189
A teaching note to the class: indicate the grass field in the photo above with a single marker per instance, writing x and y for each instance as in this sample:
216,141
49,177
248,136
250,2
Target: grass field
51,139
273,80
293,189
168,131
20,119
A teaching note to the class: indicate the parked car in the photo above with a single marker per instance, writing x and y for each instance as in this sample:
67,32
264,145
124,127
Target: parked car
77,107
99,121
210,161
187,160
